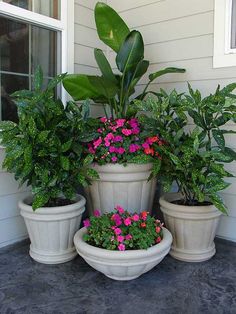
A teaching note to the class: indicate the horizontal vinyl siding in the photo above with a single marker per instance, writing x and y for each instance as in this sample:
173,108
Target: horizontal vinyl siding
12,226
86,39
180,33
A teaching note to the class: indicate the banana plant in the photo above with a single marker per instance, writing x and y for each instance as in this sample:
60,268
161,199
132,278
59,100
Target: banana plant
115,89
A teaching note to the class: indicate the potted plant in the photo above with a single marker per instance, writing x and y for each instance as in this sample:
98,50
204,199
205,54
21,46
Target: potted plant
116,92
195,160
45,150
122,245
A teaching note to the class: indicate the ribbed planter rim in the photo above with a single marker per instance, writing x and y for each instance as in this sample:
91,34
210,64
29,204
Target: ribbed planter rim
120,168
88,249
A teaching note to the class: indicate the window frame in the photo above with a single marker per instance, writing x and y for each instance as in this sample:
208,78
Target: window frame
224,55
65,25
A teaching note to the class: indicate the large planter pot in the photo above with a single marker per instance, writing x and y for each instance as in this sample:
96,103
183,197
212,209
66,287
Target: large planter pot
126,186
125,265
51,230
193,229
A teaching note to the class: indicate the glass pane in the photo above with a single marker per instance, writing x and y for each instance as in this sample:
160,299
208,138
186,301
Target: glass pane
44,50
9,84
49,8
233,25
22,48
14,46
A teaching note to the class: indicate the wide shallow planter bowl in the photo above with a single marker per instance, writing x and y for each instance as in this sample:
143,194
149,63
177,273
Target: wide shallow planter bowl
52,229
122,265
193,229
126,186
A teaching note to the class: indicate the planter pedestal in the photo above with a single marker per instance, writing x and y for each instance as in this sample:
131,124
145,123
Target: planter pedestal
193,229
51,230
126,186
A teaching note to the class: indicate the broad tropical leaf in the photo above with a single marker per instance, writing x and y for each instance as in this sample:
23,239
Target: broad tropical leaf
153,76
104,66
131,52
111,29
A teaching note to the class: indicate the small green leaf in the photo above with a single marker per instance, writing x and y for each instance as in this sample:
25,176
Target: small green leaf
66,146
219,138
88,160
65,163
92,174
40,200
218,202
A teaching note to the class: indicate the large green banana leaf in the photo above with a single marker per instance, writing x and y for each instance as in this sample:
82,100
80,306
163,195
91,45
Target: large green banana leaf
111,29
131,52
104,66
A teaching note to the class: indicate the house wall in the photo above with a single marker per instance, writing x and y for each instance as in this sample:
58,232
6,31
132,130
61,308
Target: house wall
180,33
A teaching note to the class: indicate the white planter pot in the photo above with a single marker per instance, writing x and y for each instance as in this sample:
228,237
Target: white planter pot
51,230
193,229
125,265
126,186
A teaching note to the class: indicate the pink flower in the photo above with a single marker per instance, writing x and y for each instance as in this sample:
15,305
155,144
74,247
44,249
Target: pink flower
120,122
117,219
118,138
158,229
136,131
103,119
133,122
127,221
107,143
99,130
135,217
120,209
145,145
112,149
97,213
126,132
121,247
117,231
128,237
120,238
133,148
109,137
87,223
120,150
114,159
113,227
97,143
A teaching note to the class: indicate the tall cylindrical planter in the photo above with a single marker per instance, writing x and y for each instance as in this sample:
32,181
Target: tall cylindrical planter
126,186
193,229
51,230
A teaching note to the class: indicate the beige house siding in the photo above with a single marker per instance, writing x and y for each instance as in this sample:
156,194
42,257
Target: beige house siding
180,33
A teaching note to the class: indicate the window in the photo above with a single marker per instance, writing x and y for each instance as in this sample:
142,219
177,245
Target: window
32,32
225,33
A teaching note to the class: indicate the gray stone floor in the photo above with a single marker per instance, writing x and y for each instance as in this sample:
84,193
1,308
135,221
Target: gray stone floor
172,287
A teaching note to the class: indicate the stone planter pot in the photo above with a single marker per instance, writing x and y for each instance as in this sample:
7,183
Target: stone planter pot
51,230
193,229
125,265
126,186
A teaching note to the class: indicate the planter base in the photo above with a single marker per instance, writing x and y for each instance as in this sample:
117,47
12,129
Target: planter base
123,278
58,258
193,256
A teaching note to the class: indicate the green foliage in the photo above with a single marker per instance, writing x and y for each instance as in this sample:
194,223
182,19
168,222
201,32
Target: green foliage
112,89
121,230
45,150
194,159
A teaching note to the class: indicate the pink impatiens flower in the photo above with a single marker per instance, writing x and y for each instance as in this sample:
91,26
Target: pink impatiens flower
103,119
133,123
127,221
133,148
135,217
128,237
91,150
120,122
126,132
145,145
136,131
120,209
97,213
120,238
120,150
109,137
97,143
117,231
112,149
121,247
118,138
87,223
114,159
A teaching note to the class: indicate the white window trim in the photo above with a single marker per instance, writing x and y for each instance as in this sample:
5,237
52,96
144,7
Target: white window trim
65,25
224,56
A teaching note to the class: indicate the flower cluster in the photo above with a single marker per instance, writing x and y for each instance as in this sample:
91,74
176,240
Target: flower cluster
121,230
120,140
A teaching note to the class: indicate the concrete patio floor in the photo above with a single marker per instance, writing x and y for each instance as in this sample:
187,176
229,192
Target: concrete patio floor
74,287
